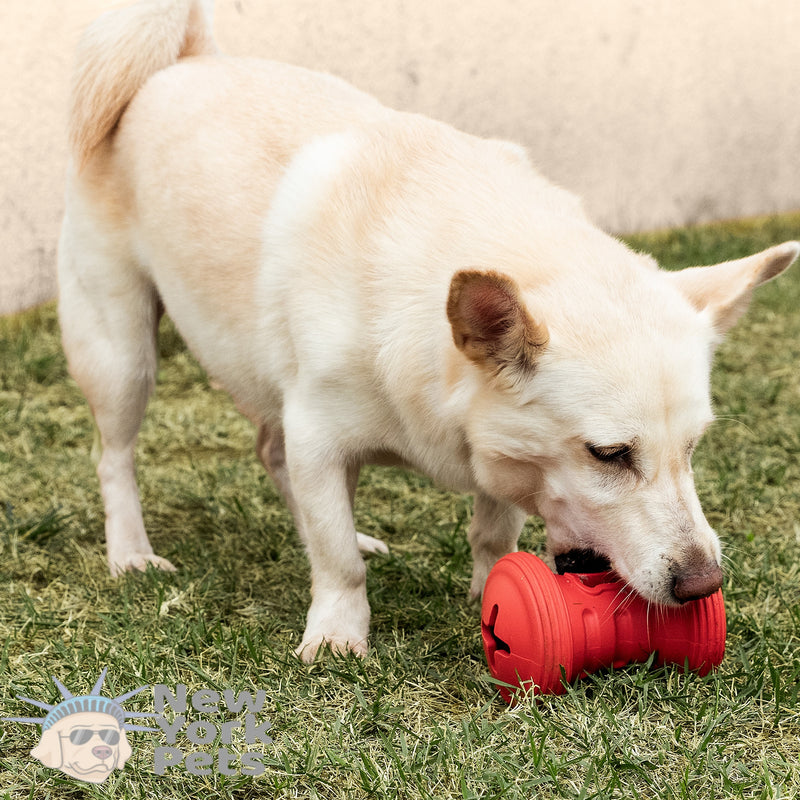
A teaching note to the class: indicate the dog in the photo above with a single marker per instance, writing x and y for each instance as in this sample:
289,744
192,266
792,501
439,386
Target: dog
87,745
373,286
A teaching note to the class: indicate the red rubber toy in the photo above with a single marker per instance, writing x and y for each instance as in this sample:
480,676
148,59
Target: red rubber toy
535,624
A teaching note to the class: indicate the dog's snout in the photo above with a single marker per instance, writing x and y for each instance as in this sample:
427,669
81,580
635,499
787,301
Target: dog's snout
101,751
696,579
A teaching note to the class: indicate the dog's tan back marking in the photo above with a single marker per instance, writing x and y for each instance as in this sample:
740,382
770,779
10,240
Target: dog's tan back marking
381,174
219,101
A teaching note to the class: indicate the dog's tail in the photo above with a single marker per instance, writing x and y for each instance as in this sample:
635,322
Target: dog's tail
119,52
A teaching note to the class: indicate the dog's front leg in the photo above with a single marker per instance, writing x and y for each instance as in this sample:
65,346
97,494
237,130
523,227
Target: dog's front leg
493,532
339,612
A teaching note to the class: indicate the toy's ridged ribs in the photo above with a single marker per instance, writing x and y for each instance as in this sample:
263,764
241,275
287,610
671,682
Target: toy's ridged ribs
536,624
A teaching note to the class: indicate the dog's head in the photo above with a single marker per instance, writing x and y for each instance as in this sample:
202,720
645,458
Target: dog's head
591,396
87,745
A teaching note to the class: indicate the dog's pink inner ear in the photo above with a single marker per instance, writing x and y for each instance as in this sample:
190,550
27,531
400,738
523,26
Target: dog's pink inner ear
490,323
724,290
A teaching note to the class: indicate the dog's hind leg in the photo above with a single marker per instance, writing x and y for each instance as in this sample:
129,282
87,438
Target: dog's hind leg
367,545
270,448
272,454
109,313
493,532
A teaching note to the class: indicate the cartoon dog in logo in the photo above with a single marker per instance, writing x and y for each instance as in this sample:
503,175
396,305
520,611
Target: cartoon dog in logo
84,735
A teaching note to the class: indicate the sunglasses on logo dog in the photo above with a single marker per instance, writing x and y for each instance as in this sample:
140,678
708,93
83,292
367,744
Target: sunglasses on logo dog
83,735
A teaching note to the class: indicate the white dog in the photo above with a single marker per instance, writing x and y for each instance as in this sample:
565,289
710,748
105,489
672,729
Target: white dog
375,286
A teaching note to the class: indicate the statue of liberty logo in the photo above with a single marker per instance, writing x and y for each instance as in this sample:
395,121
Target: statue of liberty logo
84,735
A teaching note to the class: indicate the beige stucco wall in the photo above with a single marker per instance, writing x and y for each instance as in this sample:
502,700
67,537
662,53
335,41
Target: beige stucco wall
657,112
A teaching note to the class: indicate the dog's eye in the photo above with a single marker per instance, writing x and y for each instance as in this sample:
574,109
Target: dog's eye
621,454
109,736
80,735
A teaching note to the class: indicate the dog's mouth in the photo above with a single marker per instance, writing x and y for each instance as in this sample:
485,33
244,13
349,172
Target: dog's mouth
583,561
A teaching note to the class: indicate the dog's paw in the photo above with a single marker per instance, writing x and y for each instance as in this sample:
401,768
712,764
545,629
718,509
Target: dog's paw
338,620
480,572
369,544
310,648
476,592
139,561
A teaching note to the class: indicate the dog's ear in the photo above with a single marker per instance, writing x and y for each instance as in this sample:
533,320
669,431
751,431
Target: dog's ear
490,323
48,750
724,290
124,750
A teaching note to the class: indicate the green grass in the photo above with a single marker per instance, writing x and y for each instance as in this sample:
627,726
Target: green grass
419,718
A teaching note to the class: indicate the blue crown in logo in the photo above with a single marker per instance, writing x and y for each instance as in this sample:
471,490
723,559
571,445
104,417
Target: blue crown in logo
94,701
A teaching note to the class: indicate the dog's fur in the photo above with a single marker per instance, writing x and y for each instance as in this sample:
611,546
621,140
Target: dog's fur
375,286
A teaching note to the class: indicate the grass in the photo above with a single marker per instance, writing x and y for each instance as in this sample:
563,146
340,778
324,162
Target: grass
420,718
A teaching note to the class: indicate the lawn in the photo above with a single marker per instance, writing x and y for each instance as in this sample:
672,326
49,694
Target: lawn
420,718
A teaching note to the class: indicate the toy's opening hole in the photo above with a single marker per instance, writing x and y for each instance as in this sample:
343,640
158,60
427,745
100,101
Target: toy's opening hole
491,639
585,561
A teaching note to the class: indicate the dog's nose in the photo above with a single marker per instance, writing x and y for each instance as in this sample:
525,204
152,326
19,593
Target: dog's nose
101,751
693,581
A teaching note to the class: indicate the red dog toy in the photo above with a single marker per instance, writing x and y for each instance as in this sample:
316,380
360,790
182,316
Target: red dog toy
535,624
